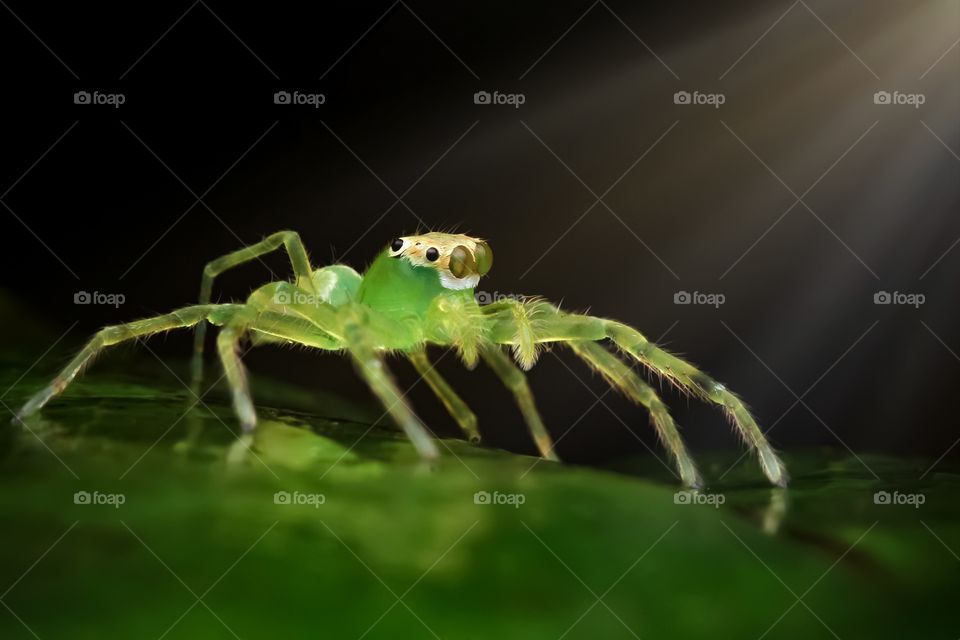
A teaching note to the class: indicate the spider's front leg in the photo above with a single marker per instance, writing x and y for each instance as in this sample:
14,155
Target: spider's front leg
689,378
554,326
622,377
515,380
465,327
454,405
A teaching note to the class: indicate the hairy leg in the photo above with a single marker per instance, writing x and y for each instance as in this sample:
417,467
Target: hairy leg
373,369
689,378
268,326
621,377
108,336
562,327
262,326
514,379
290,240
455,406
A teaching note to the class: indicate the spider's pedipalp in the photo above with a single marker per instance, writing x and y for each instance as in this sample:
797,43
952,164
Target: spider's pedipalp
526,317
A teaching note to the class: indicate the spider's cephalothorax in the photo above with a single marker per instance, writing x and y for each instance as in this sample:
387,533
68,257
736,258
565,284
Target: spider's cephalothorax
418,292
414,270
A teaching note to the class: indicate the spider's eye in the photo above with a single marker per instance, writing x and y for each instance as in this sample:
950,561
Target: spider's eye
432,254
484,255
461,262
396,245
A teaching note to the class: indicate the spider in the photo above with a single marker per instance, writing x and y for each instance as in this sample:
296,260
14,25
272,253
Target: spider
419,291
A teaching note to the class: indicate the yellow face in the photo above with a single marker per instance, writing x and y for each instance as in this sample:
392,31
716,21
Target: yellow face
460,260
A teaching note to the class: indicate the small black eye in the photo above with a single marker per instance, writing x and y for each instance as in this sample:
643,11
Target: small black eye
396,245
432,254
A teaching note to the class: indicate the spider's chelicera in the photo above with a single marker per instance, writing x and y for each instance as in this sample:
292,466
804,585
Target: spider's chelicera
420,292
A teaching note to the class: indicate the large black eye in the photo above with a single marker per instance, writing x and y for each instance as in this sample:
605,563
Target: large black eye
432,254
396,245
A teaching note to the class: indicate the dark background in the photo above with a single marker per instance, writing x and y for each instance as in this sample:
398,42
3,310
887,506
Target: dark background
104,199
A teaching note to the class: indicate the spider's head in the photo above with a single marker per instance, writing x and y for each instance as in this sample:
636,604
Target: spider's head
413,272
460,260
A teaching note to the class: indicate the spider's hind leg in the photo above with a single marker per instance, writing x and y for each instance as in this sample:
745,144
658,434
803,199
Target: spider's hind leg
623,378
228,342
109,336
290,240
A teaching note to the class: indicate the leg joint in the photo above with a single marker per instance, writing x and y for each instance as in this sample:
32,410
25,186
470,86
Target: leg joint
227,338
287,235
109,334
